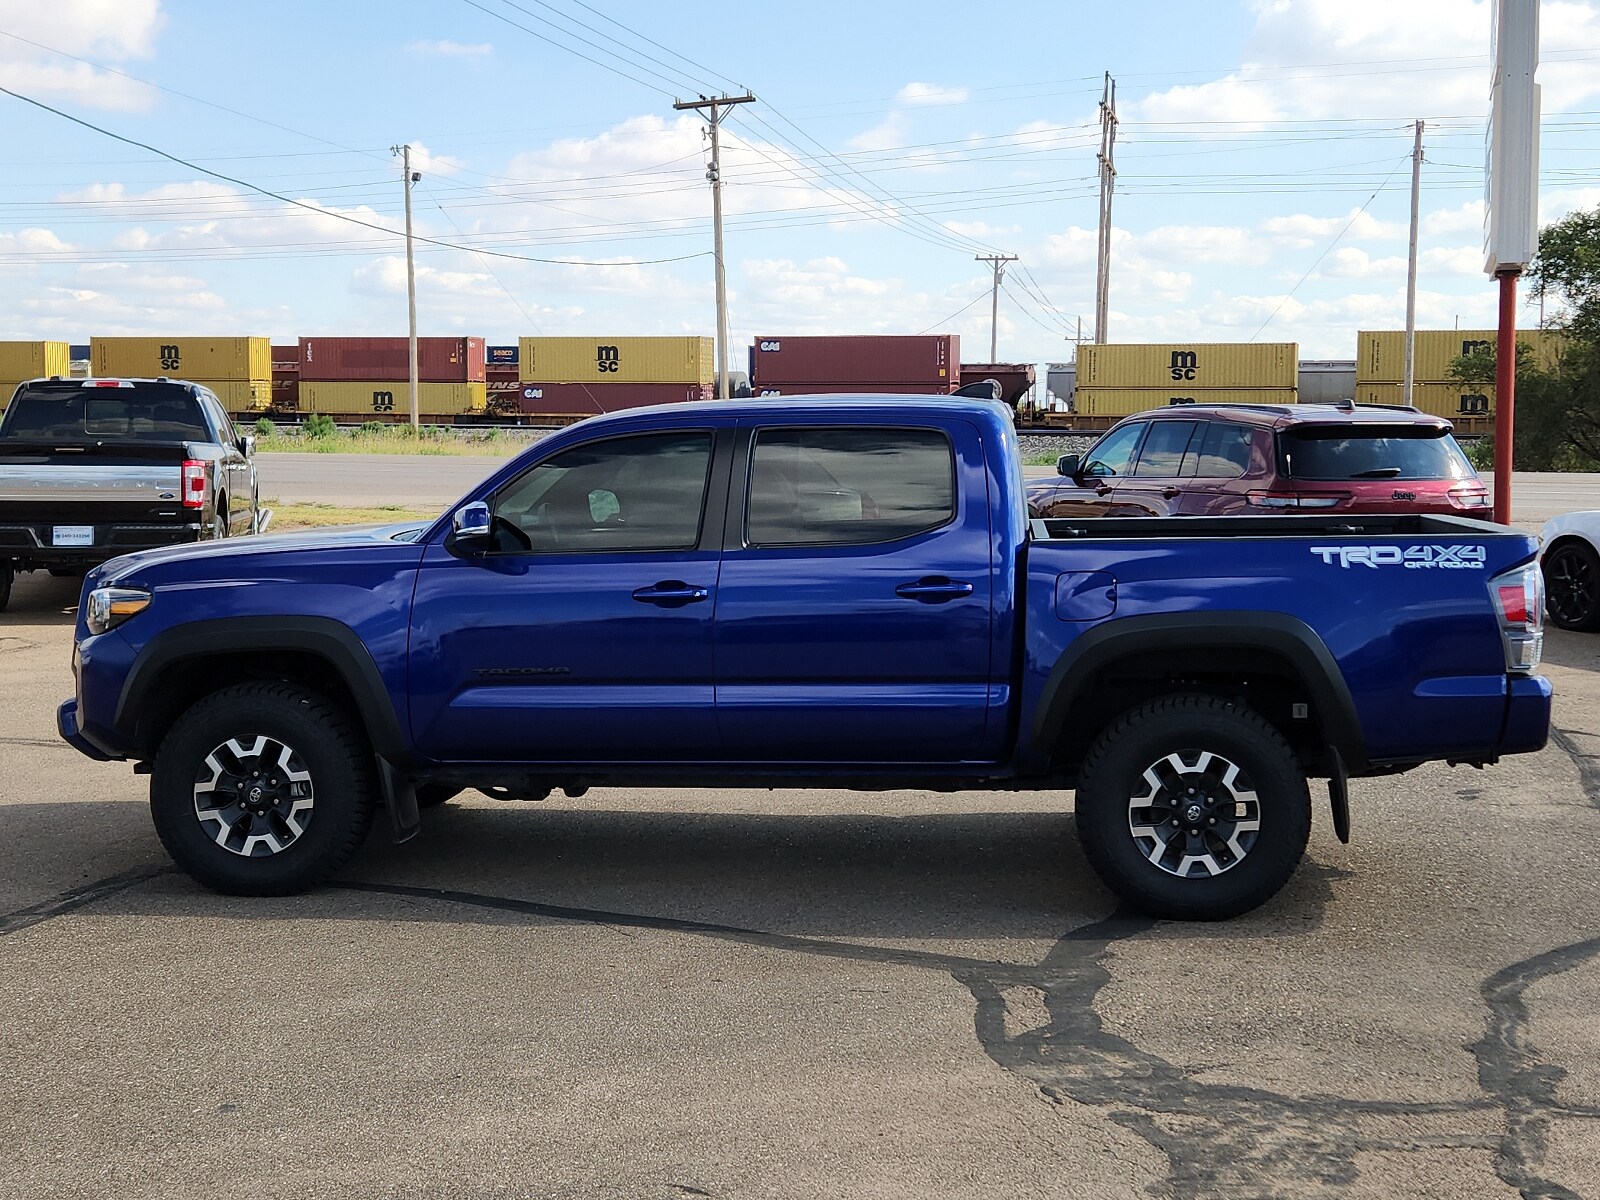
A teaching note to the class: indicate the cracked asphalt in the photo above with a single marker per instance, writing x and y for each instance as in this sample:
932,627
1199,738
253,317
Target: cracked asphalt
796,994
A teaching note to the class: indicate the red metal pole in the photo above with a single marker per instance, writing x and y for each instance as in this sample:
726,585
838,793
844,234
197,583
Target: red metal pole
1505,395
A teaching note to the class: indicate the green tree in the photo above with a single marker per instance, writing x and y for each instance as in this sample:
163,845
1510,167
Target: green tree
1558,395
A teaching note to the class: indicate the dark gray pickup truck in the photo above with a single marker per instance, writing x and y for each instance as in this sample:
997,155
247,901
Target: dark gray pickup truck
94,468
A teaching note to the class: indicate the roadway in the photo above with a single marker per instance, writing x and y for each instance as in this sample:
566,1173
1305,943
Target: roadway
796,994
434,481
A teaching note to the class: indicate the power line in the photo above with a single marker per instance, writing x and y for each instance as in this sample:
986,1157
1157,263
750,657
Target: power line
671,84
325,212
954,315
1328,249
487,265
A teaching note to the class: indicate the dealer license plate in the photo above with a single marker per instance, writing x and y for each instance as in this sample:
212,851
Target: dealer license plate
72,535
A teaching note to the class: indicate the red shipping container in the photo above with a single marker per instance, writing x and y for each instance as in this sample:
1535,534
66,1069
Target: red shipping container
931,358
850,389
588,399
382,359
286,358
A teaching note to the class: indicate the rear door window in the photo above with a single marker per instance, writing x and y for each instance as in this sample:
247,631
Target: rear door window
848,487
1223,452
1164,448
1353,452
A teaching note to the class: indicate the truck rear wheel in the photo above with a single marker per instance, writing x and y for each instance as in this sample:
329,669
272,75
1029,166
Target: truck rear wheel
1193,808
7,574
262,789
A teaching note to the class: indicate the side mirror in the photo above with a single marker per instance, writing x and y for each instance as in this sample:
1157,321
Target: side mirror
247,446
471,521
1067,465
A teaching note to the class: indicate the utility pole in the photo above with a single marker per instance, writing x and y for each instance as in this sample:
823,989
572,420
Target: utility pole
410,177
1411,272
1108,180
716,106
998,262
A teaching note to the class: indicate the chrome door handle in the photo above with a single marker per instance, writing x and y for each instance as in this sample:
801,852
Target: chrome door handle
934,590
670,593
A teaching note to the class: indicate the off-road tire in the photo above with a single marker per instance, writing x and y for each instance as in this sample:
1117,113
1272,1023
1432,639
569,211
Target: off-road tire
335,754
1113,774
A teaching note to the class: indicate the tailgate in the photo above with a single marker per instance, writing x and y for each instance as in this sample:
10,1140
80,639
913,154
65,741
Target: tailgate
79,487
41,479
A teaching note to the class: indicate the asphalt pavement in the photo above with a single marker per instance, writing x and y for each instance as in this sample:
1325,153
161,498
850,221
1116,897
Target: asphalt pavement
796,994
426,481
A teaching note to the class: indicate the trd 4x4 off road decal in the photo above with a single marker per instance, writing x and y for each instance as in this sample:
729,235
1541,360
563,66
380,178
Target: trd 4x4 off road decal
1449,558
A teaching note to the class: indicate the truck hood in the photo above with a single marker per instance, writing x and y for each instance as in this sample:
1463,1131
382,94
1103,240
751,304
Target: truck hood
229,557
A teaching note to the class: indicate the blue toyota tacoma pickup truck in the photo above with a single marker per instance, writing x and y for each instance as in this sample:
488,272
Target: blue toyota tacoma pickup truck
838,592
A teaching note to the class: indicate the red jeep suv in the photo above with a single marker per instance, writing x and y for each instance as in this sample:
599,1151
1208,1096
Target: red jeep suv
1219,459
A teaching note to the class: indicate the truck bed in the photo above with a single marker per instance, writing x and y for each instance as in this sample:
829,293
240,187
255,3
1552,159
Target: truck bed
1192,528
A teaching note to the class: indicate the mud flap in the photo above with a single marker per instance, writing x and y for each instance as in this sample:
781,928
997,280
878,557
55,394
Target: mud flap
1339,796
400,798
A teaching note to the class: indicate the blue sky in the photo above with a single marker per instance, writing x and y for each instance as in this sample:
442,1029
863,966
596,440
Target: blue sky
1263,189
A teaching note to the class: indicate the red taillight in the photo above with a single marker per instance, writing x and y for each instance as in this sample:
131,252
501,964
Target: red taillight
1513,603
196,473
1519,603
1469,496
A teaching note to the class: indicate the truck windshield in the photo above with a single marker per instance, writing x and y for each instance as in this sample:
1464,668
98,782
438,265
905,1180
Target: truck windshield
157,413
1346,452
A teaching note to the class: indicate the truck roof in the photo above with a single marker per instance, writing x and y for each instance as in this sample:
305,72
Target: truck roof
801,405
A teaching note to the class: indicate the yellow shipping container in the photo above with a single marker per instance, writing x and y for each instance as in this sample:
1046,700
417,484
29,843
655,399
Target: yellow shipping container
1189,365
617,360
1381,354
240,395
32,360
1468,405
182,358
1120,402
391,399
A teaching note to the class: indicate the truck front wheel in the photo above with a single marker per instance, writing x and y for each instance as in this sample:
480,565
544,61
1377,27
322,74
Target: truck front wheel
262,789
1193,808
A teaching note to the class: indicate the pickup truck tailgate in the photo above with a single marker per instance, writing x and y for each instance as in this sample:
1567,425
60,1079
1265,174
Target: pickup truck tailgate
94,494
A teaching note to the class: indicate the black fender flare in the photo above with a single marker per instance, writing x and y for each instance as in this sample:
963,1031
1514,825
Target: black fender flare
333,641
1288,637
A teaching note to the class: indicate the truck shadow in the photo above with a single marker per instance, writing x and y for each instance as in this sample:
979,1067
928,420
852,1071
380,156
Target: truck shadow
1001,903
39,598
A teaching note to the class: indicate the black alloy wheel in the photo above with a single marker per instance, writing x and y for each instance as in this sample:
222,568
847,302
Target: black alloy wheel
263,789
1572,586
1193,807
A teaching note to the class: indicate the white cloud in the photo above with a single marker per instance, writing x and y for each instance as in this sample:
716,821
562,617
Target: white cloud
118,30
1302,229
449,49
1316,59
931,93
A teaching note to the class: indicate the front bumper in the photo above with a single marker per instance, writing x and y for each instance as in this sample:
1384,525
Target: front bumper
67,727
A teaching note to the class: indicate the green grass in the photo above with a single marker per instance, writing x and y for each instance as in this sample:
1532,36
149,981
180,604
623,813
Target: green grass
493,443
289,517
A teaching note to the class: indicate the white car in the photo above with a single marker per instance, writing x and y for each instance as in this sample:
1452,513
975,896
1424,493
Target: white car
1571,561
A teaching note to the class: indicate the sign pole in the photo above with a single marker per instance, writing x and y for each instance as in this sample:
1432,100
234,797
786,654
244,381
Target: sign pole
1505,387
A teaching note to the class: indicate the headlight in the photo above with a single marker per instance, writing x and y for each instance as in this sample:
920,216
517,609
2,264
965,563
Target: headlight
111,606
